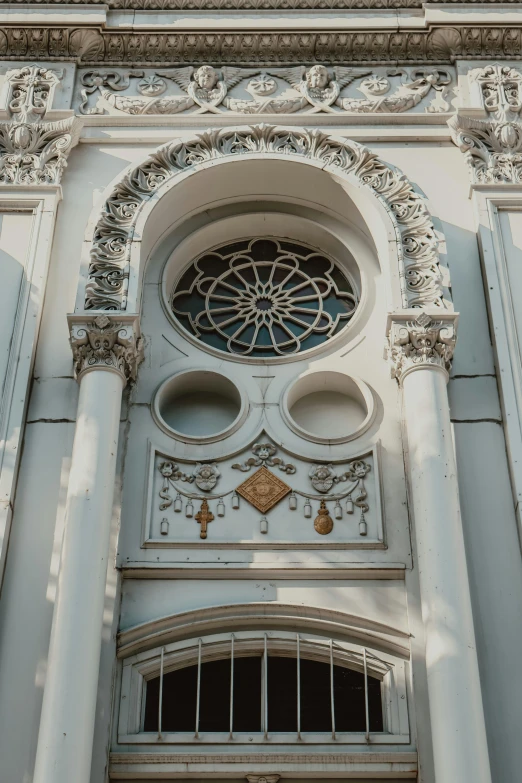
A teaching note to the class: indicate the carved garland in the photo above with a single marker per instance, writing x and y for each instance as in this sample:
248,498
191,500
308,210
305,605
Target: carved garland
108,275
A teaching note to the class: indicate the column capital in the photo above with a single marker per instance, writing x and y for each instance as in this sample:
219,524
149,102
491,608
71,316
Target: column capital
420,340
106,342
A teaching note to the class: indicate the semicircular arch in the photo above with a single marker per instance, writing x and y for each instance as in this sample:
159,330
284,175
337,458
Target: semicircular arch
114,249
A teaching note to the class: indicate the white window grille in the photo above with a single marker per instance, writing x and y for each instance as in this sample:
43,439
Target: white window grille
375,671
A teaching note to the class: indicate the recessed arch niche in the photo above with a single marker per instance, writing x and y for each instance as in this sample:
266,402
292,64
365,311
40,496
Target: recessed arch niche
142,205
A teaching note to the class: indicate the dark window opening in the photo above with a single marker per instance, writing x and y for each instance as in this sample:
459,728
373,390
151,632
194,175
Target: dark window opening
180,693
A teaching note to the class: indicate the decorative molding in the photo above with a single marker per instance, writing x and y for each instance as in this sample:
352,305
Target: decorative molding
493,147
270,91
421,343
36,153
108,274
264,455
94,46
33,152
261,5
106,343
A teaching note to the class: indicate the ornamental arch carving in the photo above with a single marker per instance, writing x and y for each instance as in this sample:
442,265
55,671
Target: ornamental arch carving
119,239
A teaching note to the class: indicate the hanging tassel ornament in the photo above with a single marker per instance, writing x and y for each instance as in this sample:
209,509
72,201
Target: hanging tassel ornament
264,525
307,509
220,508
189,509
363,527
338,512
349,506
292,502
164,528
235,500
178,503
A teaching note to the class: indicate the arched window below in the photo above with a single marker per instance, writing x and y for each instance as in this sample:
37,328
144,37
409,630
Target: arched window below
263,686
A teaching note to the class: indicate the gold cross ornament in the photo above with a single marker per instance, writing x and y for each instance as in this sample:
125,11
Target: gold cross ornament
204,516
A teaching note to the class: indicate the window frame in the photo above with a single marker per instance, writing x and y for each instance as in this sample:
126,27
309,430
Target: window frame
139,668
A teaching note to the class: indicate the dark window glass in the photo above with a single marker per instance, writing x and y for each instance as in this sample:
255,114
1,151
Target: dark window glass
180,689
264,284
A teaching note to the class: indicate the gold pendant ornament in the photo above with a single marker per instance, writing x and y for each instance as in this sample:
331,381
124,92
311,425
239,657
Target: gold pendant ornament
204,516
323,522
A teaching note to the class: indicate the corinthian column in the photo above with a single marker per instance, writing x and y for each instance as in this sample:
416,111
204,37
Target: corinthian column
420,349
106,353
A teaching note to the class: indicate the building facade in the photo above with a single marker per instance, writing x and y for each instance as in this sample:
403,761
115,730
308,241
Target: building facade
261,414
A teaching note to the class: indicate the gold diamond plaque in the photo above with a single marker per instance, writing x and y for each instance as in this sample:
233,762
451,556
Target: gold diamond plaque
263,489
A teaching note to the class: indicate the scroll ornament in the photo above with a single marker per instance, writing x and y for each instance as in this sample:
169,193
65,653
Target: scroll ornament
421,343
34,152
108,344
493,147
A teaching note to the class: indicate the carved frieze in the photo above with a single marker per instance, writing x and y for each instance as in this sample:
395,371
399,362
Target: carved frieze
269,91
106,343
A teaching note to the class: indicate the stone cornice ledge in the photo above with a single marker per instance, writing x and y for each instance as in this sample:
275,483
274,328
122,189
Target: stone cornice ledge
165,765
97,45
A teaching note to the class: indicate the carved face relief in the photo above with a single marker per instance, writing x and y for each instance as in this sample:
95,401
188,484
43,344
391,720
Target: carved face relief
322,477
206,77
317,77
206,476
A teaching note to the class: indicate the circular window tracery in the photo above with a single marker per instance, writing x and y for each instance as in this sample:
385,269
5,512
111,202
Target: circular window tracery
263,297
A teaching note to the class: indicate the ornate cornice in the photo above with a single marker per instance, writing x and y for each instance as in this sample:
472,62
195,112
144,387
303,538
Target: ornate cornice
113,233
260,5
422,342
103,47
106,343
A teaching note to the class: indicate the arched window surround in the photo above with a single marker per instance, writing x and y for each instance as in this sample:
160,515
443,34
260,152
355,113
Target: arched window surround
144,666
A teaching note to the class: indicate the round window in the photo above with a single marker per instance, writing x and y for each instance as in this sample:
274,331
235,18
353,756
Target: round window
263,297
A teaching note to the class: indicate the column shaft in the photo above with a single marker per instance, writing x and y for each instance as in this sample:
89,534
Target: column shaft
68,711
456,711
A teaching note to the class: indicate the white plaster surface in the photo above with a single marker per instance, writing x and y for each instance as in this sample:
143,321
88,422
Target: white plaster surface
492,546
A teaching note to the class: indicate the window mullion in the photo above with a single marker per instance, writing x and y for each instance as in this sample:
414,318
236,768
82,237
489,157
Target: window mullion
160,700
198,690
231,686
298,689
265,687
366,706
332,693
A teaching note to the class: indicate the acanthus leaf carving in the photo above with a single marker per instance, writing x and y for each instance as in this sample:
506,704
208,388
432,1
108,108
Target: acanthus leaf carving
32,151
106,343
420,343
106,287
493,147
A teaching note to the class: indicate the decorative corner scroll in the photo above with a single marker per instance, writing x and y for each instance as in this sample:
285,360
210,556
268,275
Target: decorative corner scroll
422,342
34,152
106,343
493,147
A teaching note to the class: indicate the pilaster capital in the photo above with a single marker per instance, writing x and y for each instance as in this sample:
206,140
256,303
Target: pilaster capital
106,342
33,151
417,341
